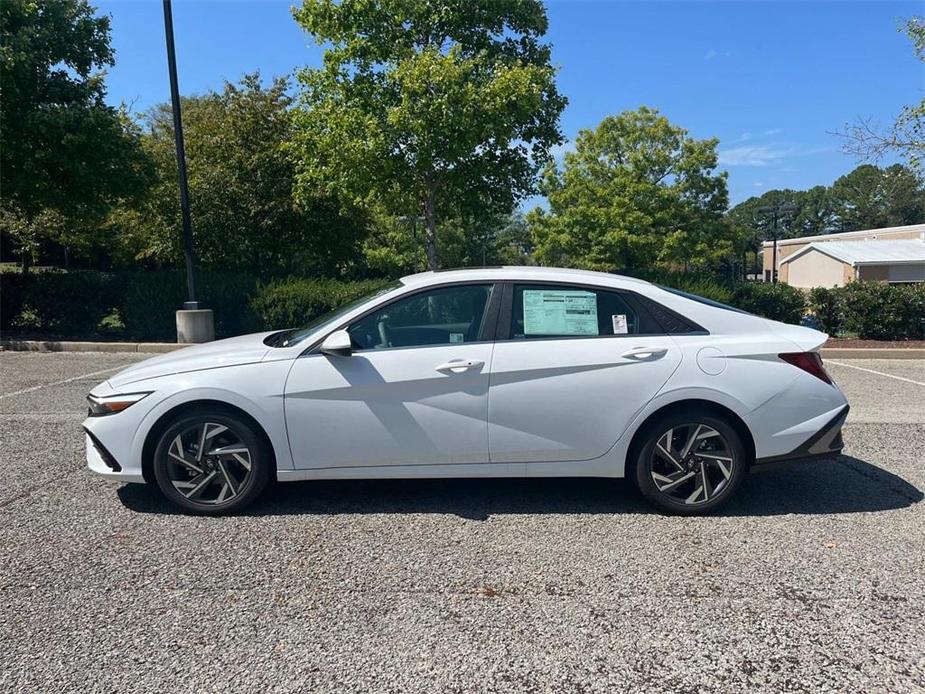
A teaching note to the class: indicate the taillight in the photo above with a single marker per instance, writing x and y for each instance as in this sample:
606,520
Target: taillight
810,362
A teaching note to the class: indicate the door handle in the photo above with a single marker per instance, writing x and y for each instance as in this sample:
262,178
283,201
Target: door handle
642,353
458,366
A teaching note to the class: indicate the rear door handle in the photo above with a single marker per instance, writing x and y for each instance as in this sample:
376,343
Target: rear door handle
458,366
643,353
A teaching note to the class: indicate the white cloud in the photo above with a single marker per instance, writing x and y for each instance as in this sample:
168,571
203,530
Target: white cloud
751,155
710,54
772,131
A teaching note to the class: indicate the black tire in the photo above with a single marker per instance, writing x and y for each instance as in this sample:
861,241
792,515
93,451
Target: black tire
704,453
226,469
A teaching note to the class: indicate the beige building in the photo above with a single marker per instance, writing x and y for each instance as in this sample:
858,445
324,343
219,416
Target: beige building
893,254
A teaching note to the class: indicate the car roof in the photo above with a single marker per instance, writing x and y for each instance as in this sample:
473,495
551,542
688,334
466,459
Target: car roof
521,272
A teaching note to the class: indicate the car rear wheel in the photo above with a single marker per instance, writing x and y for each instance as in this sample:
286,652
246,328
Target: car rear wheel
211,463
690,464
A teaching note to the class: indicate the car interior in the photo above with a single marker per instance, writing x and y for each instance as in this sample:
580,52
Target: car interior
447,315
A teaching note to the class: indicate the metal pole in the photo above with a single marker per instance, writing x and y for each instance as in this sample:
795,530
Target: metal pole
774,257
181,159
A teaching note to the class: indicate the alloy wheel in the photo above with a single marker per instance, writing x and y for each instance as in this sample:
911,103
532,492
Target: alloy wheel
691,464
208,463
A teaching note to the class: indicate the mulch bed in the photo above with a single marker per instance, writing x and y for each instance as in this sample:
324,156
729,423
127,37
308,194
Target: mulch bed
888,344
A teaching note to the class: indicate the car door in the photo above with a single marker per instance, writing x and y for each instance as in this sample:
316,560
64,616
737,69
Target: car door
414,390
571,368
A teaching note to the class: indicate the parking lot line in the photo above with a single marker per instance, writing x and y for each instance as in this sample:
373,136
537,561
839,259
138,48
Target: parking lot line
59,383
871,371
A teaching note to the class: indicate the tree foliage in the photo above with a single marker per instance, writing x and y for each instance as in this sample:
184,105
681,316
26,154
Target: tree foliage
65,156
436,110
868,197
636,192
395,245
241,180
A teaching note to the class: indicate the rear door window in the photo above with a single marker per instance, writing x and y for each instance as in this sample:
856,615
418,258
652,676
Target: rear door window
549,311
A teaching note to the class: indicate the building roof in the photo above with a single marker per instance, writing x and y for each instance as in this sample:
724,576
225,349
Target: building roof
850,235
900,251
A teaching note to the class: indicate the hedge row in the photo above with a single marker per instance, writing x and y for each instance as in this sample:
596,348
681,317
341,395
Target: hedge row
141,305
871,310
776,301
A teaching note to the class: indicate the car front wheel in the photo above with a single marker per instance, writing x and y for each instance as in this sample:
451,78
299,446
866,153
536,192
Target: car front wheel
211,463
690,464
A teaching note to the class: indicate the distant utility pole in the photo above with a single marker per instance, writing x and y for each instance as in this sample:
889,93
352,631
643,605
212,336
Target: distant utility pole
776,212
181,159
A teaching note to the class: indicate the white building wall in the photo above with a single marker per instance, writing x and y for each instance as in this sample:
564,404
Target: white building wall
815,269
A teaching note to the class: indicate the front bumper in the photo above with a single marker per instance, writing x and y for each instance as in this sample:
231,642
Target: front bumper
101,461
825,443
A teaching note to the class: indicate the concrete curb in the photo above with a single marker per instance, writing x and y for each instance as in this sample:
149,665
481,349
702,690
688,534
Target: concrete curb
68,346
160,347
872,353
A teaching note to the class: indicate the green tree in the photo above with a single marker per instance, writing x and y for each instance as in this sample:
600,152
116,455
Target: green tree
868,141
815,214
241,178
870,197
65,156
866,198
636,192
394,247
433,110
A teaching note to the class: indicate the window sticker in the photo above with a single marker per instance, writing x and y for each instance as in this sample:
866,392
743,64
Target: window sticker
456,337
559,312
619,324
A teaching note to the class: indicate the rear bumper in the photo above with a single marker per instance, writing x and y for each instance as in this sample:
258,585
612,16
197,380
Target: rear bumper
825,443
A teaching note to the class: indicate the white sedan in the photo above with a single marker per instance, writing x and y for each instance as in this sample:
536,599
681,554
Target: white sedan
503,372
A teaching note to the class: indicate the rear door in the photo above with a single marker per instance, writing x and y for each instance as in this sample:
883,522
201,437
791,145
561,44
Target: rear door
572,366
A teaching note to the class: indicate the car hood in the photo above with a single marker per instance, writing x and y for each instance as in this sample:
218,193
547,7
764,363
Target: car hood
234,351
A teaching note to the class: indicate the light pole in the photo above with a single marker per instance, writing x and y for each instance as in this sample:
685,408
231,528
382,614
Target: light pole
776,211
194,324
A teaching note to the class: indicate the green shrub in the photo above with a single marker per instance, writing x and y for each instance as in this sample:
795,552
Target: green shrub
779,302
12,287
294,302
826,305
69,304
152,299
879,311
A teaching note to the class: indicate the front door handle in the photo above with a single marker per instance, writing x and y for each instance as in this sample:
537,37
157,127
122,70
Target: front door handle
458,366
644,353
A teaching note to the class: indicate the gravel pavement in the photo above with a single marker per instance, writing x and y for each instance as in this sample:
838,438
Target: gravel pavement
812,580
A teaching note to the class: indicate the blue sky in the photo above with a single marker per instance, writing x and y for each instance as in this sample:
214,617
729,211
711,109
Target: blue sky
771,80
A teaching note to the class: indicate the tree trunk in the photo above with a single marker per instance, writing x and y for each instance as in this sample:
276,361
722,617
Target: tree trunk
430,238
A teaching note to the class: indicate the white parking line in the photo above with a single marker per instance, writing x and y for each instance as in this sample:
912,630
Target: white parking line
59,383
871,371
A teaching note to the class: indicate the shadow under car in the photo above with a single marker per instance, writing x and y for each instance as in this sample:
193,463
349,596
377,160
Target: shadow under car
842,484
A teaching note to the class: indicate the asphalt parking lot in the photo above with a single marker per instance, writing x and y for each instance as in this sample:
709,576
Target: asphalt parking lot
812,580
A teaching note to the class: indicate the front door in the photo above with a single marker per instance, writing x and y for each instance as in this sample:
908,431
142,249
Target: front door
577,365
413,392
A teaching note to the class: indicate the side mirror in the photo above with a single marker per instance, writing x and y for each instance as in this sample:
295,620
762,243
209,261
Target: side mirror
337,344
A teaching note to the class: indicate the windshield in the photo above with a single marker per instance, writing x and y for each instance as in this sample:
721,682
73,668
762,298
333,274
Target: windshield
294,337
701,299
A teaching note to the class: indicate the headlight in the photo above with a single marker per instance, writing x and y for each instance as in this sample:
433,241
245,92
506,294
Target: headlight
110,404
